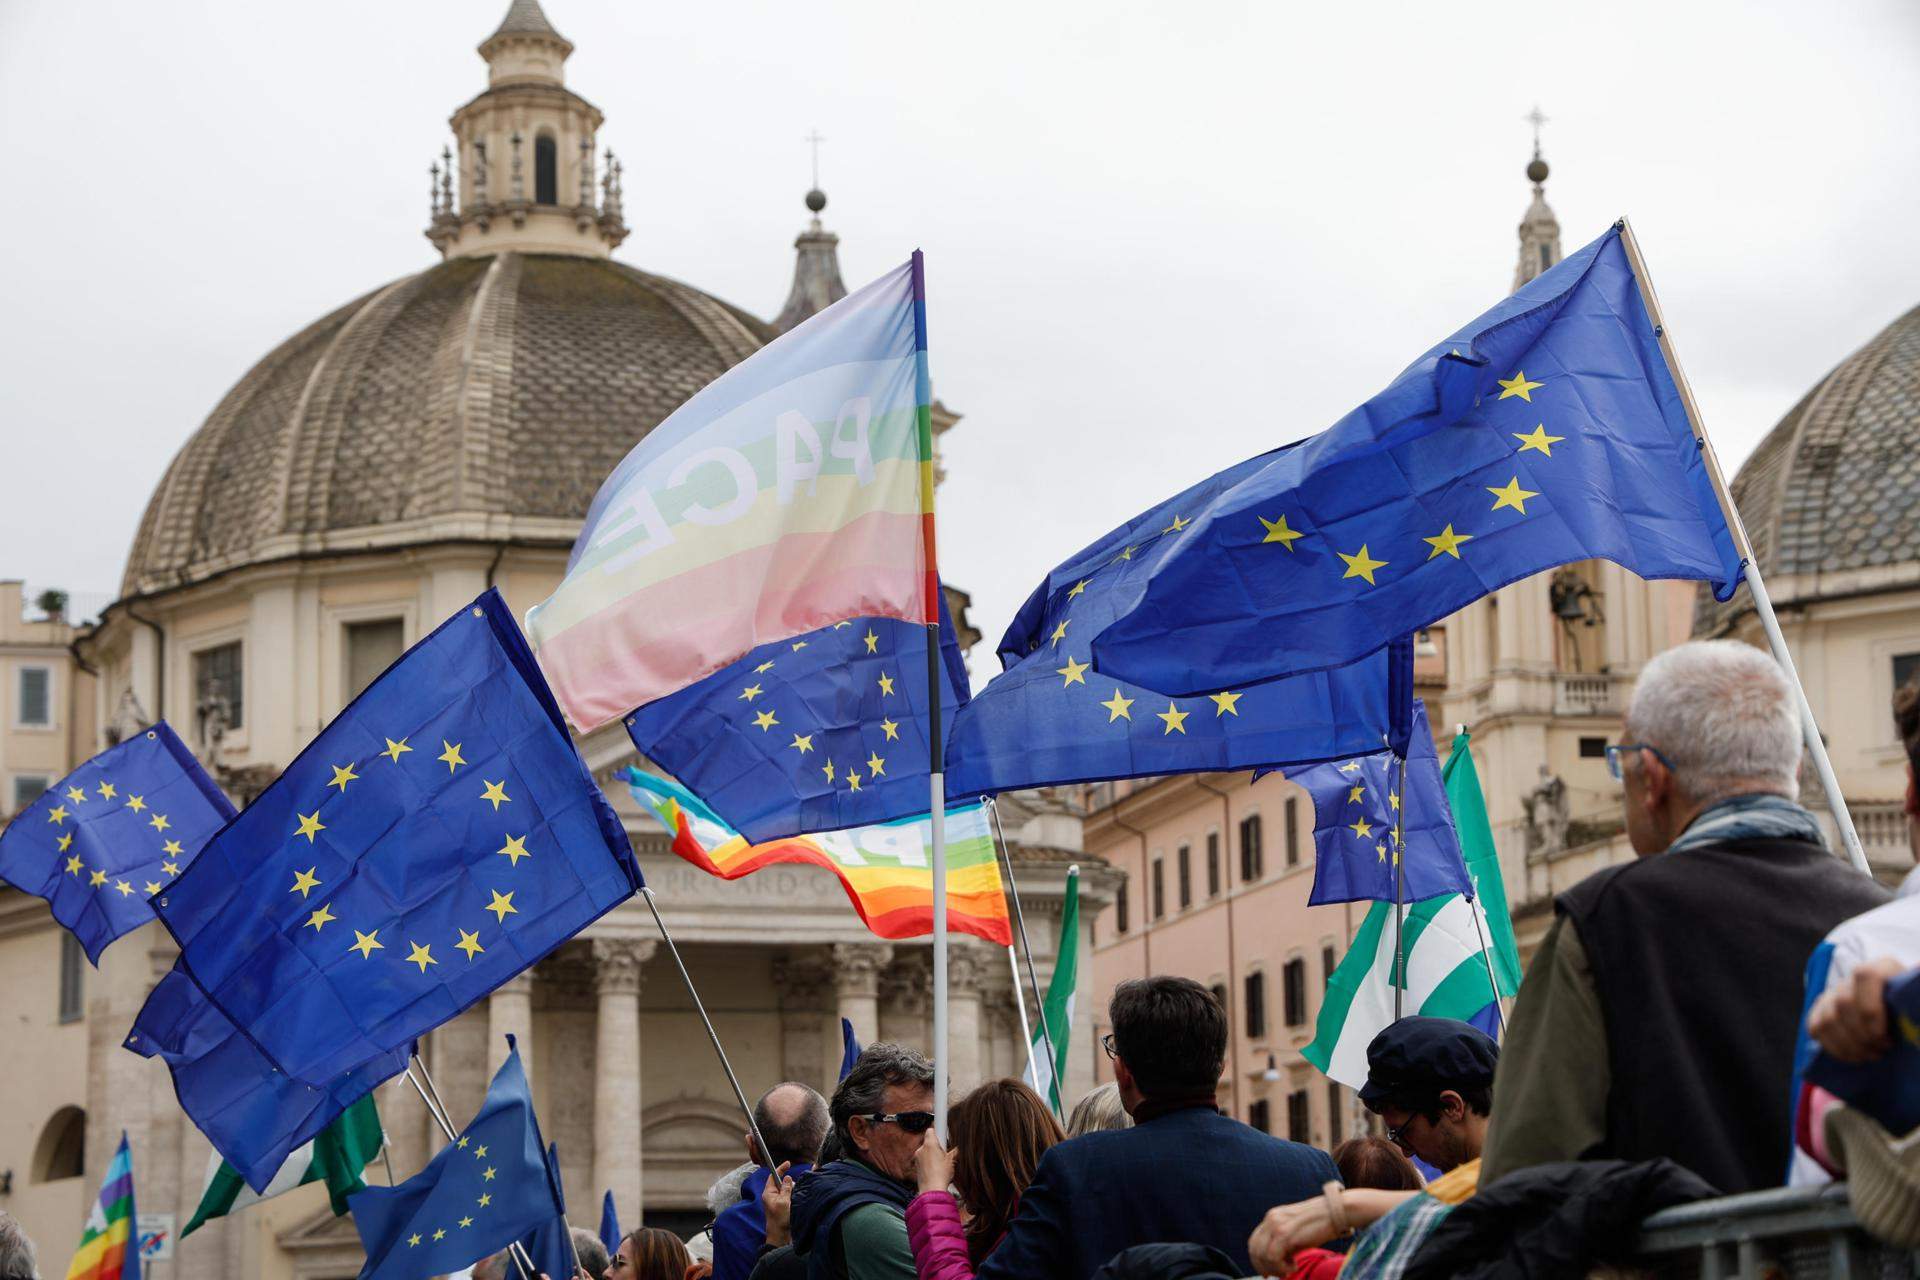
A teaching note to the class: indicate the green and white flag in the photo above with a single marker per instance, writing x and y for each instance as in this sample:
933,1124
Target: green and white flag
1446,970
1043,1075
337,1157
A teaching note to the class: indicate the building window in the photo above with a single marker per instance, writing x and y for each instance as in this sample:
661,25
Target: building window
1250,859
1293,831
1906,666
35,707
1213,864
28,787
1219,990
1293,984
217,681
62,1149
1120,908
71,977
1299,1117
1328,963
372,647
1183,866
1256,994
1593,748
1158,888
546,171
1334,1108
1258,1115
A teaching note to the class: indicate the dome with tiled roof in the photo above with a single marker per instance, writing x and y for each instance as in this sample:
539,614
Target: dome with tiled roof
1828,496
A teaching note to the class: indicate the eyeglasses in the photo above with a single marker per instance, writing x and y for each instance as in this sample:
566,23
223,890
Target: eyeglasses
1106,1042
909,1121
616,1263
1397,1135
1616,753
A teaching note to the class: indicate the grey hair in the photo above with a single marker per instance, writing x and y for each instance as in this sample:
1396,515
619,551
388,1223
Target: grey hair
1099,1109
726,1188
864,1091
491,1267
593,1254
1724,716
16,1251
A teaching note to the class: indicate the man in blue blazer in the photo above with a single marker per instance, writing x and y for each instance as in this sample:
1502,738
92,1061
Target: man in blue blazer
1183,1173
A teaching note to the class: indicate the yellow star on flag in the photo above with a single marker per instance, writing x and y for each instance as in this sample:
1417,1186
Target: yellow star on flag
765,720
462,1144
502,905
396,749
367,943
479,1153
1393,799
106,791
440,1234
486,1200
136,803
876,764
151,888
798,645
886,684
496,794
74,864
486,1175
159,822
1060,632
1518,385
1351,766
1381,849
1175,718
749,693
873,642
764,667
310,825
1512,495
853,780
76,795
450,753
173,847
827,769
305,882
1361,565
1177,525
57,814
123,888
1075,671
413,1239
97,879
1361,827
1355,796
1226,704
892,729
515,849
1118,707
342,776
469,943
65,842
1446,542
1124,555
1277,531
170,868
1078,587
802,742
1538,440
422,956
324,916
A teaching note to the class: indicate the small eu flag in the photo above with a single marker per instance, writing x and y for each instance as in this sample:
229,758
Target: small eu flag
550,1244
112,834
482,1191
609,1224
440,836
1547,431
1356,804
822,732
1050,718
254,1116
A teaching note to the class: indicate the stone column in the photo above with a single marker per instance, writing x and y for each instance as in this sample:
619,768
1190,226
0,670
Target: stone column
809,1049
616,1071
906,999
510,1013
856,985
967,972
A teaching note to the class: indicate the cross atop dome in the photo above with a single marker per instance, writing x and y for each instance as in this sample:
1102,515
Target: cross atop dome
1540,229
816,264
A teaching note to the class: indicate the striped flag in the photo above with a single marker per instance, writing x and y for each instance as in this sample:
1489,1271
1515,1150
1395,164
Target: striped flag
886,868
790,493
1062,990
1446,966
338,1157
107,1247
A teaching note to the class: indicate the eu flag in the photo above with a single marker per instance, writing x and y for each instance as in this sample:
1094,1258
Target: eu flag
253,1115
480,1193
819,733
1049,717
112,834
438,837
609,1223
1355,806
550,1244
1547,431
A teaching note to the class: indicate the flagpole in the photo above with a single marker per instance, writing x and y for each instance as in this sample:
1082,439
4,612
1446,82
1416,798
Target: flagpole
1756,585
1400,890
438,1110
1020,1004
936,747
1499,1013
1020,922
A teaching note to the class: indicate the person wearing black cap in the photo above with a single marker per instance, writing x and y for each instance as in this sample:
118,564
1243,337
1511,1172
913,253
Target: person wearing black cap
1431,1081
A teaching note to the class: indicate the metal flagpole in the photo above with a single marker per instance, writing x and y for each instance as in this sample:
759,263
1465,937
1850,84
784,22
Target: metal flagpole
1762,604
701,1008
438,1110
1020,1004
384,1157
1400,893
1020,922
1499,1013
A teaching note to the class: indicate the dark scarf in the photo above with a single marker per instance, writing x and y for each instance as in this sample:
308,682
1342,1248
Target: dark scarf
827,1195
1154,1108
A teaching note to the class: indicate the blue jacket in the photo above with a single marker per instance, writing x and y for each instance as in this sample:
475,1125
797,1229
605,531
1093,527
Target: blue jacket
741,1228
1189,1176
829,1194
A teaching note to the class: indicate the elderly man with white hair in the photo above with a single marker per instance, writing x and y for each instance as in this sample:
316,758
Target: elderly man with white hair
1659,1016
16,1251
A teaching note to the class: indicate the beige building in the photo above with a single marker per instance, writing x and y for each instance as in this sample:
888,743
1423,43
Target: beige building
1219,868
438,435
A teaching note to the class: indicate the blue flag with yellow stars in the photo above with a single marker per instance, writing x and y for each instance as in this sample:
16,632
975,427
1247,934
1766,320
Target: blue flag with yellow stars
254,1116
1050,718
550,1244
1547,431
823,732
440,836
1356,852
112,834
480,1193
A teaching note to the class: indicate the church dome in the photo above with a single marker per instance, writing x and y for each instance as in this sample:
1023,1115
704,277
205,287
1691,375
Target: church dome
483,399
1826,498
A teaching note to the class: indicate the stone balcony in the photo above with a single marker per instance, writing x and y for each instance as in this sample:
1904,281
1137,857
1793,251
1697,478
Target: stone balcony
1585,695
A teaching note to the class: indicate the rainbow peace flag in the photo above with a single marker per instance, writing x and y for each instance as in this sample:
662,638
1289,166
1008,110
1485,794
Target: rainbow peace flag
792,492
885,868
107,1248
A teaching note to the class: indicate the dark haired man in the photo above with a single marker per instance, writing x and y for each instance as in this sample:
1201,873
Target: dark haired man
850,1214
1183,1172
793,1119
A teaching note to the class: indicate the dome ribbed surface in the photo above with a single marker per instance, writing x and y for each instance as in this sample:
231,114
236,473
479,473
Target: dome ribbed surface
481,398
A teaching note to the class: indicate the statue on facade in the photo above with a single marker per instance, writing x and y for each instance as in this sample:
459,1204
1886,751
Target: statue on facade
1548,813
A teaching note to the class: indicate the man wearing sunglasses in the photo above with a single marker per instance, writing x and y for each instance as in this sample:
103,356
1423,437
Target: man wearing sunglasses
1659,1016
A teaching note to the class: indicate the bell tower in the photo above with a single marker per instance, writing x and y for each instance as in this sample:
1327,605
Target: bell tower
521,174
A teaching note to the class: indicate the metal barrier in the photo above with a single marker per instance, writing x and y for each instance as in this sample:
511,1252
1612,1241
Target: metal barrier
1794,1233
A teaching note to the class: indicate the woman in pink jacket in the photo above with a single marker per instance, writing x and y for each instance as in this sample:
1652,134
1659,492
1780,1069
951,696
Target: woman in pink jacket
999,1131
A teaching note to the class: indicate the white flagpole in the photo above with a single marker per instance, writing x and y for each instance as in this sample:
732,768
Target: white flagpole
1020,1003
1762,604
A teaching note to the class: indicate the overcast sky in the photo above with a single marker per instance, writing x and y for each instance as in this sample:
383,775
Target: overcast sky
1160,237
